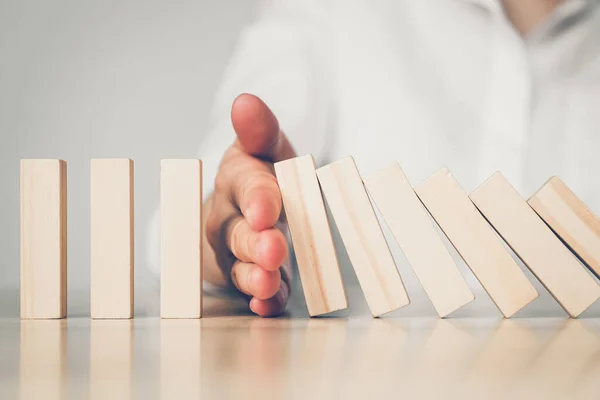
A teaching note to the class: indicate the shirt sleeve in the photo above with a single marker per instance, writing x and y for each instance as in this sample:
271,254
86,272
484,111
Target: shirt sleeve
285,58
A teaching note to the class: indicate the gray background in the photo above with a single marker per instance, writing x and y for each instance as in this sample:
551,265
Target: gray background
84,79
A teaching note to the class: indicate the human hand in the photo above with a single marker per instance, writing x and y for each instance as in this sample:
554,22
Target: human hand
246,206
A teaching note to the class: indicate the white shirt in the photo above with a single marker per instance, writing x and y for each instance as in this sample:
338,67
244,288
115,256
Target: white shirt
427,83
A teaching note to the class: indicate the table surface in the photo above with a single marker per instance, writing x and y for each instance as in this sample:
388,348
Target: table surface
231,354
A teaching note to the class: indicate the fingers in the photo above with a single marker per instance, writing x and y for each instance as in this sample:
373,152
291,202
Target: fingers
267,248
273,306
255,281
257,129
257,196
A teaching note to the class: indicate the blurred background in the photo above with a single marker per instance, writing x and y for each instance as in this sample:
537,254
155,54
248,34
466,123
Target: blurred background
86,79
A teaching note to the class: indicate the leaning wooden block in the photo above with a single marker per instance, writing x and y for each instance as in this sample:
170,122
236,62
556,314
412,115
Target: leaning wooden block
476,242
360,231
181,240
543,253
416,235
43,239
317,261
111,247
571,220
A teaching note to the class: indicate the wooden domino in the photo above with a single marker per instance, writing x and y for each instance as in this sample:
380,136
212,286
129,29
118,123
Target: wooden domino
545,255
311,236
181,239
416,235
43,239
476,242
111,247
362,236
571,220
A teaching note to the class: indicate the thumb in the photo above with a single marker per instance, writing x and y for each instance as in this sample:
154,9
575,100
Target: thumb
257,129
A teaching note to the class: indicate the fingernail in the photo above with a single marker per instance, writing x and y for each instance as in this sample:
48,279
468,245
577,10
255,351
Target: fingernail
234,279
252,304
260,249
250,281
249,215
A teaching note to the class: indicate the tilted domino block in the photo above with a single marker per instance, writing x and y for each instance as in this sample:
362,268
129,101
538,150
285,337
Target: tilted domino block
416,235
476,242
362,236
315,252
571,220
43,239
181,239
543,253
111,238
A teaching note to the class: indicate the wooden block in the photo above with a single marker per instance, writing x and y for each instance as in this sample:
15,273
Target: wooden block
317,261
416,235
111,248
360,231
43,239
476,242
181,239
571,220
543,253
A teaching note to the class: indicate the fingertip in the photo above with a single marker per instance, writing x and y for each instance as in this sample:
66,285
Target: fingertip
271,249
263,211
254,123
264,284
273,306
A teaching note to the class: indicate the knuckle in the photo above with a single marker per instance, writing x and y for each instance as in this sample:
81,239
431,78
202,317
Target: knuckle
252,180
236,235
221,181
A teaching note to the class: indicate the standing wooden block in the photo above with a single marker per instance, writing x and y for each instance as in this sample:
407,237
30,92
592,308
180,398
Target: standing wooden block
311,236
43,239
366,246
111,248
416,235
476,242
181,239
570,219
543,253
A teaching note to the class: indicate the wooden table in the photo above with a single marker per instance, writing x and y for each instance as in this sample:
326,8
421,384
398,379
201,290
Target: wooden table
231,354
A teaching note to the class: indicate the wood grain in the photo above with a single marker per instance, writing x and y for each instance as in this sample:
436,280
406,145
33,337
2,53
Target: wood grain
417,237
43,239
571,220
311,236
543,253
476,242
111,247
181,240
362,236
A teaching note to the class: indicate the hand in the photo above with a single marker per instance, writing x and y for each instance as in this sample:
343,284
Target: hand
246,206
